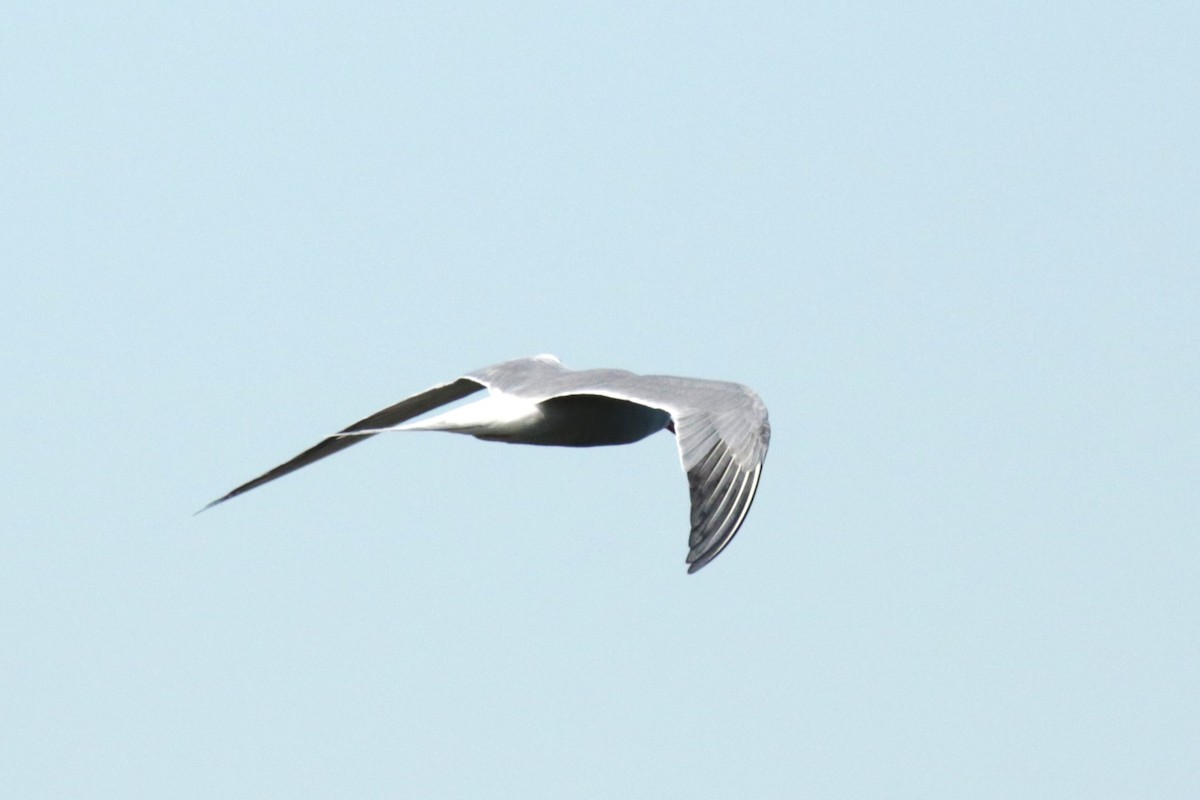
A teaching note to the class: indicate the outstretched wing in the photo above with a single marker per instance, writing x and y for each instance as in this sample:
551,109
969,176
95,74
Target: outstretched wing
406,409
722,491
722,432
722,453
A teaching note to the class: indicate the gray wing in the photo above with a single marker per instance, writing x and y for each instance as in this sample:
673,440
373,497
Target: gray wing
392,415
722,491
722,453
723,433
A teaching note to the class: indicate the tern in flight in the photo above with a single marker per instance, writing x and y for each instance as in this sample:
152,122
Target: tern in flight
721,429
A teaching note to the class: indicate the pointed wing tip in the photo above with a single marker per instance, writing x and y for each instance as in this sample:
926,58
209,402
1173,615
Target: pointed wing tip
386,419
216,502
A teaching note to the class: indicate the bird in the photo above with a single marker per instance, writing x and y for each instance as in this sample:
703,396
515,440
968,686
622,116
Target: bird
721,429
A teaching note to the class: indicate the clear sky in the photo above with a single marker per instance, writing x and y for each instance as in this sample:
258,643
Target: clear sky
954,247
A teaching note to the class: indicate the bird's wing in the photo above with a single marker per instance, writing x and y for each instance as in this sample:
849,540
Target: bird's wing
722,432
722,454
392,415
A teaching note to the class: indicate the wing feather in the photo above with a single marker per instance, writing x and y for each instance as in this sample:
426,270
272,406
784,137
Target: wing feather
722,454
406,409
717,530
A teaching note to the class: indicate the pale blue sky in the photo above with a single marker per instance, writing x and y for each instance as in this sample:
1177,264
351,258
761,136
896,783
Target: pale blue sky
954,247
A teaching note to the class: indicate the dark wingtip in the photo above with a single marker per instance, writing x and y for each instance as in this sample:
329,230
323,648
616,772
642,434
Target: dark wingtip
216,502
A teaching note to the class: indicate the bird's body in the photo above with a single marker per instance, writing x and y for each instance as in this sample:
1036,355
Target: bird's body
580,420
722,429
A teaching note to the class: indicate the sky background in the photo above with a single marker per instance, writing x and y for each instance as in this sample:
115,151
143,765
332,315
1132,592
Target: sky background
953,247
